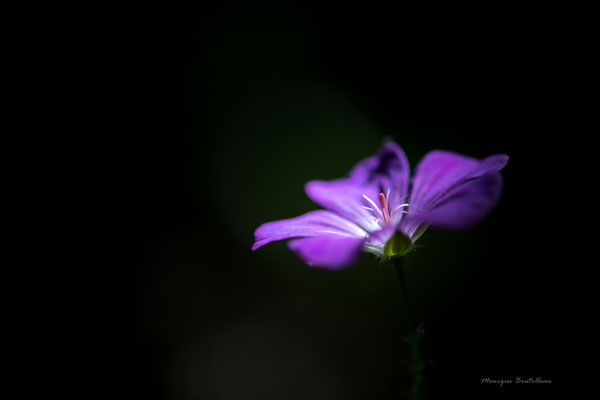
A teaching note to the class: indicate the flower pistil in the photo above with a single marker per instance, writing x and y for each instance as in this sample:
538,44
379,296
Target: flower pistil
383,214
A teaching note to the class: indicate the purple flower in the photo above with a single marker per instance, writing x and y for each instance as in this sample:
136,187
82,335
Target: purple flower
377,208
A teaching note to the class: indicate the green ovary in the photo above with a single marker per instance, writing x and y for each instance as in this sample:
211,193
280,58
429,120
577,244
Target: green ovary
398,245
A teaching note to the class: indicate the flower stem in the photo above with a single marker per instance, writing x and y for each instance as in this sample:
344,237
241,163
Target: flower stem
414,340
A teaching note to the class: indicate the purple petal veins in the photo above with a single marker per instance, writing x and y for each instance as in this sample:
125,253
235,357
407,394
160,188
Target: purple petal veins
313,223
449,191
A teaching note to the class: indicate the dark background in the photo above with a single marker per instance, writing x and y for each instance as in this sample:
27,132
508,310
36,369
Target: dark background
192,125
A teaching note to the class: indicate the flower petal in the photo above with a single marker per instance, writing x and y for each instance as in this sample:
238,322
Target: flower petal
453,191
388,169
331,252
313,223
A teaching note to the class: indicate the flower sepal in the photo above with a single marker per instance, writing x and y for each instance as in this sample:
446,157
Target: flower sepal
398,245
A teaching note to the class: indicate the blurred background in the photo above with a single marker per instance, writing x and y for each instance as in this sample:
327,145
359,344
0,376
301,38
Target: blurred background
200,122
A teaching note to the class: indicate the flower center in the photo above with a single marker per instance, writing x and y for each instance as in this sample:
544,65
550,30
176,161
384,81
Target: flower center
384,214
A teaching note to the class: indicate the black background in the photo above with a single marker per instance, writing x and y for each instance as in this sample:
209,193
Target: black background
191,125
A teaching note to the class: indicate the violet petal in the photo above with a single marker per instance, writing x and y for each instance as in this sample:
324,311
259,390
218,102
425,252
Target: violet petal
313,223
331,252
453,191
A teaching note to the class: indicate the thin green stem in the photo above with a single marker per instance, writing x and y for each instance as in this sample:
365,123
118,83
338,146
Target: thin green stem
414,340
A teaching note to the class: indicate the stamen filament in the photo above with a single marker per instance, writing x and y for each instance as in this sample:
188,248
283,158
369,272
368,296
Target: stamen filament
385,214
379,213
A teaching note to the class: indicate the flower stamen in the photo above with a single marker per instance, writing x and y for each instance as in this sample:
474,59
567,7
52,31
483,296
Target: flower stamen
384,213
384,208
377,210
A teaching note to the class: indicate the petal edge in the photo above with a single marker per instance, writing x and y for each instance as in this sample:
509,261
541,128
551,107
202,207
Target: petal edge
328,252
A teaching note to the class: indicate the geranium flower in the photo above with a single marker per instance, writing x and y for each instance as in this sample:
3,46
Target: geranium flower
378,209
